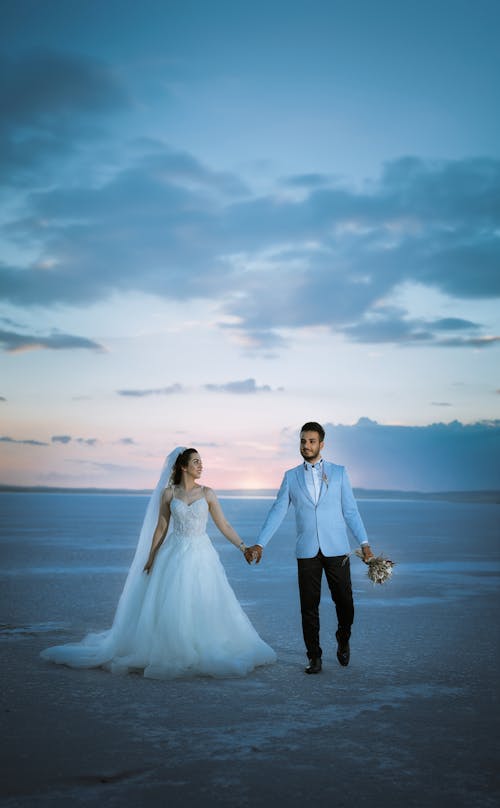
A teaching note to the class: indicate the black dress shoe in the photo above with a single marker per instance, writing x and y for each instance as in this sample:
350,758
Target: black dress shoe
314,666
343,653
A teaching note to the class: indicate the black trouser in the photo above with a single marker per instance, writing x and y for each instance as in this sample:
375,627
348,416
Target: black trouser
338,575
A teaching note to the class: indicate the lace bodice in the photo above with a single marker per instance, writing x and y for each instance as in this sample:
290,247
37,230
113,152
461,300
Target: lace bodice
189,520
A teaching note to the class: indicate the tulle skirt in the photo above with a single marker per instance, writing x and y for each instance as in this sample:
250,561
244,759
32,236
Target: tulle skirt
186,621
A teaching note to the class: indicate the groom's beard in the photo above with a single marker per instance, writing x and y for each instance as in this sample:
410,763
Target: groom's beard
309,457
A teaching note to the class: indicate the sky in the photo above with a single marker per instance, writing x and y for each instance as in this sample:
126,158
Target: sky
220,220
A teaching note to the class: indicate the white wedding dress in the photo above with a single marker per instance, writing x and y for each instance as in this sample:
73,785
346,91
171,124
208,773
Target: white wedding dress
182,619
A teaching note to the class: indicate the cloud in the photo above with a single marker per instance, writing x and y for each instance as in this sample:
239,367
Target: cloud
390,325
182,170
166,224
50,102
440,404
245,387
306,180
14,342
471,342
434,224
152,228
454,324
103,466
255,339
61,438
2,398
453,456
158,391
6,439
127,442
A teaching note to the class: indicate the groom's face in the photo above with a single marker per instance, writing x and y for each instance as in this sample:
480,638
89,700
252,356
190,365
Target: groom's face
310,446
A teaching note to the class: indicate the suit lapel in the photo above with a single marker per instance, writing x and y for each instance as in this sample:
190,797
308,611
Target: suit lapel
325,482
300,473
324,486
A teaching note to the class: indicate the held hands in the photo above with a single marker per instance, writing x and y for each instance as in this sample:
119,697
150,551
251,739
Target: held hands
253,553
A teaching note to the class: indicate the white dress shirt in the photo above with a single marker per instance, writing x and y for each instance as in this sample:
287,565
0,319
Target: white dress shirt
314,479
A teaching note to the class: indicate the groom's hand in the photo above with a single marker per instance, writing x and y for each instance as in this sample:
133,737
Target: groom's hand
367,552
253,553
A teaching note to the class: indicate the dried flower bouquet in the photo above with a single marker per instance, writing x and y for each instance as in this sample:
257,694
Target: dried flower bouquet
379,568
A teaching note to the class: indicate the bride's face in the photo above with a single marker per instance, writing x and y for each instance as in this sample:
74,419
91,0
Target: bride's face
195,467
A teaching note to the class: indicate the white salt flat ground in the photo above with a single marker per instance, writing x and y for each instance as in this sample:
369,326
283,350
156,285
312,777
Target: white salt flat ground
412,720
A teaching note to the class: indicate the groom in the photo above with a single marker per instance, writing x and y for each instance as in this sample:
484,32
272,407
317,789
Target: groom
321,495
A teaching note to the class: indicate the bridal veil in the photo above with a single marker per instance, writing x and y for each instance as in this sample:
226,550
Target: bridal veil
98,649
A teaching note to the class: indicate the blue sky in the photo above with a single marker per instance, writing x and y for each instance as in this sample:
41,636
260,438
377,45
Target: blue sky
220,220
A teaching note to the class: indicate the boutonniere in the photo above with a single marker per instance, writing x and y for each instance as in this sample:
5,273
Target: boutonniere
325,479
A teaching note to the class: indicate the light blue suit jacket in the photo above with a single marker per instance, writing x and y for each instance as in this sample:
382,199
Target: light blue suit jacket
320,526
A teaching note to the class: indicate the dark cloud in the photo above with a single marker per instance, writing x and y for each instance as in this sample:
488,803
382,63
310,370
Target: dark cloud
241,387
8,321
14,342
388,329
158,391
182,170
454,324
127,442
429,223
168,225
393,326
6,439
65,439
452,456
153,227
2,398
256,339
306,180
245,386
440,404
50,103
470,342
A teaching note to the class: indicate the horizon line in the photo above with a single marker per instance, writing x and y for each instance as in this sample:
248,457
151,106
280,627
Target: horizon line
490,495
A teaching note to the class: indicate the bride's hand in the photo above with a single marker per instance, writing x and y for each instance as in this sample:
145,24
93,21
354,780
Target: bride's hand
148,565
253,553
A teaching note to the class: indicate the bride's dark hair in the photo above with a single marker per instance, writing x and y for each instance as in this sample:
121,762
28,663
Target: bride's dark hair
181,462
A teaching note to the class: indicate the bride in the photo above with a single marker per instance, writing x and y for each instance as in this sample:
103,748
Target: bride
177,614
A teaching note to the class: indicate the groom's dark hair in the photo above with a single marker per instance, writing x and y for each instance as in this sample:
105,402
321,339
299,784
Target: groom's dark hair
313,426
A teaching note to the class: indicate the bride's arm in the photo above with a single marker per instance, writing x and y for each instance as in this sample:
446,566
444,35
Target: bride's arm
161,528
220,520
